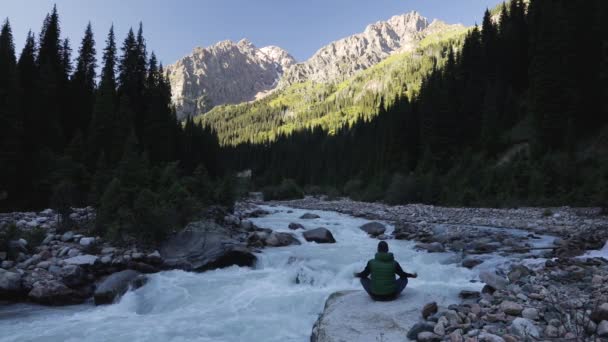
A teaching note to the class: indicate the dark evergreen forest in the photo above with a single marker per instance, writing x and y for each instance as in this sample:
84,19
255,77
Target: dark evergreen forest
70,137
516,116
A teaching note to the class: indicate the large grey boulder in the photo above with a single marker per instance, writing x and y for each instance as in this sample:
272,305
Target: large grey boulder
373,228
10,284
309,216
114,286
72,275
319,235
353,316
493,280
281,239
53,292
203,246
524,328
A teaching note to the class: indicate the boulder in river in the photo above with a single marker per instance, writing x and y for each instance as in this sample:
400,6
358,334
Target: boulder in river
309,216
433,247
204,245
10,284
373,228
471,262
281,239
353,316
493,280
319,235
114,286
429,309
53,292
295,226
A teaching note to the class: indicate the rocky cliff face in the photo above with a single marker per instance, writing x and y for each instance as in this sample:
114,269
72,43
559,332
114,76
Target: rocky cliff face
343,58
225,73
229,73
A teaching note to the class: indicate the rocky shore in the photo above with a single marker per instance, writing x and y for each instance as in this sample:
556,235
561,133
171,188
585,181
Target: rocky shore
557,292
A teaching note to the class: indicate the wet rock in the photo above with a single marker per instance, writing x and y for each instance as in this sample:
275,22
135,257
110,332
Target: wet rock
429,309
418,328
427,336
471,262
373,228
83,260
319,235
602,329
53,292
309,216
433,247
204,245
154,258
67,236
511,308
87,241
295,226
465,294
495,281
524,328
114,286
281,239
72,275
10,284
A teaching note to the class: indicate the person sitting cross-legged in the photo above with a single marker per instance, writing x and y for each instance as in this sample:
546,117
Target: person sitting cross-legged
383,286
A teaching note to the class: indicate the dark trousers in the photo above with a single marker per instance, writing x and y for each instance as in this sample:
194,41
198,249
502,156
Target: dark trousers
400,283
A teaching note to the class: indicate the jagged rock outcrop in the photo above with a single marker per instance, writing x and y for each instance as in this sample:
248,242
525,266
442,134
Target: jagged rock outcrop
343,58
225,73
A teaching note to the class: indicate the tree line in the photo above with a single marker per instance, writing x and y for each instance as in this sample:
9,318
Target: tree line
70,137
515,116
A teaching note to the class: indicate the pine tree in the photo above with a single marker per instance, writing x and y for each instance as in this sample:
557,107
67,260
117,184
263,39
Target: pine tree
105,106
11,121
83,82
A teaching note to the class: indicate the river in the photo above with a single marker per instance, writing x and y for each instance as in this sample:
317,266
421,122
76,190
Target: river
278,300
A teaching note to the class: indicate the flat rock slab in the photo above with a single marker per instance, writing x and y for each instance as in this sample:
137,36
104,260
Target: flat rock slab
351,316
82,260
309,216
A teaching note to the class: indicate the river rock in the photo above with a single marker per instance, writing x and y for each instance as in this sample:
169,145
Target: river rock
353,316
511,308
154,258
82,260
433,247
53,292
429,309
114,286
309,216
601,313
281,239
427,336
466,294
419,327
295,226
471,262
67,236
530,313
87,241
10,284
319,235
205,245
72,275
373,228
524,328
495,281
487,337
602,329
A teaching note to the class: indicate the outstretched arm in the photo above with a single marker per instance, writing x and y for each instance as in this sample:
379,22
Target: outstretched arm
403,274
365,273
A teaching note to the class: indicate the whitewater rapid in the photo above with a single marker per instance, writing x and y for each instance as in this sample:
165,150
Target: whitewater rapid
278,300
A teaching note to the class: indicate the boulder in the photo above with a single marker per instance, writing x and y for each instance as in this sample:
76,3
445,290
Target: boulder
67,236
602,329
530,313
427,336
53,292
295,226
72,275
10,284
373,228
309,216
114,286
487,337
600,313
524,328
319,235
433,247
87,241
353,316
466,294
154,258
471,262
281,239
204,245
419,327
511,308
82,260
429,309
493,280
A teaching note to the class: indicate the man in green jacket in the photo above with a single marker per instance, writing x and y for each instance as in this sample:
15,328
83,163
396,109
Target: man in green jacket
383,286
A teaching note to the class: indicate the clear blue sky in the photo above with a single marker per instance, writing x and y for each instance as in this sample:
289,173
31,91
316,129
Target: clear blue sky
174,27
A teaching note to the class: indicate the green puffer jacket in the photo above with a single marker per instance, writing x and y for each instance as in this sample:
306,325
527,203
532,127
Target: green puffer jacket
382,268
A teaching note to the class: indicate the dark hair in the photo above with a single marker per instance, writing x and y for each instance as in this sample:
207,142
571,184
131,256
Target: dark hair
382,247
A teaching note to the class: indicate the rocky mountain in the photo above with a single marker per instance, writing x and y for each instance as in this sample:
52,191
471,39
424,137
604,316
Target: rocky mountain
225,73
343,58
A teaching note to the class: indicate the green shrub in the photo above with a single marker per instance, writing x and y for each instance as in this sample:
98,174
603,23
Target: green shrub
354,188
288,189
